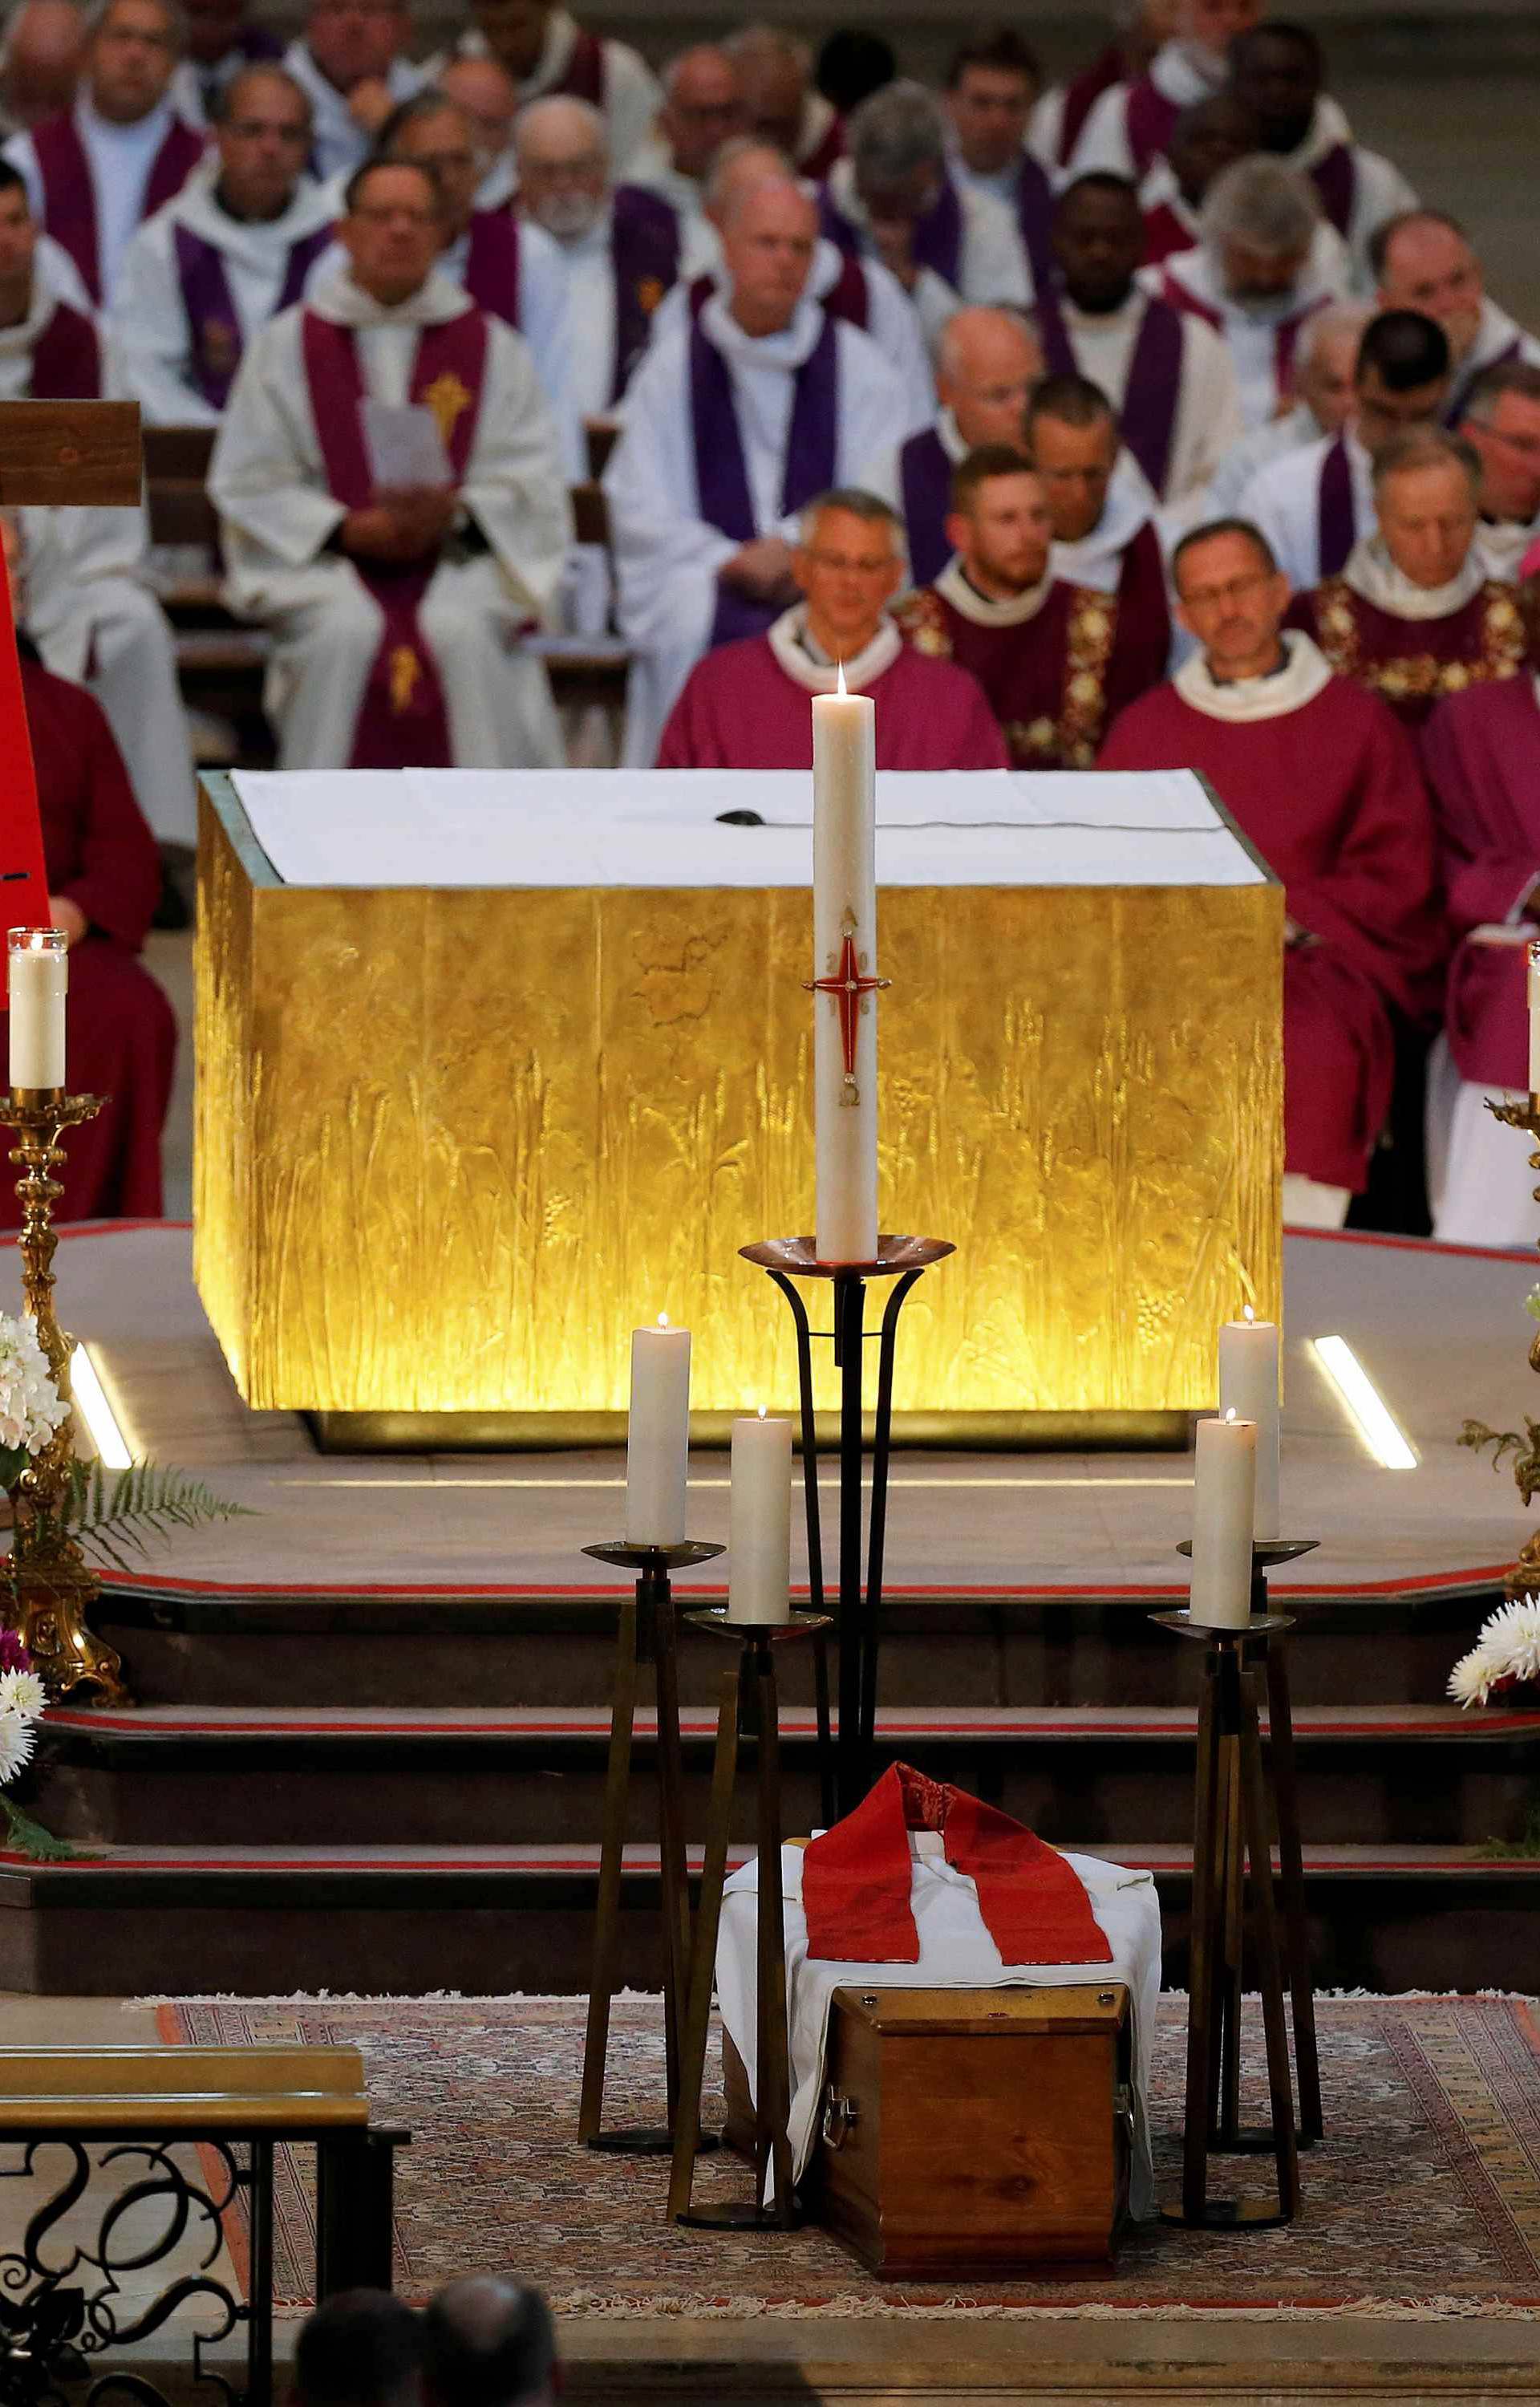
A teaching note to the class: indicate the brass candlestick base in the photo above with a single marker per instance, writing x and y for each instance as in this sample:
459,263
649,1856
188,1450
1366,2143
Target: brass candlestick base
1524,1578
55,1588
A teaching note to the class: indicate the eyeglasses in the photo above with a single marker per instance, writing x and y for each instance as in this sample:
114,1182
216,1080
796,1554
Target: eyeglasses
1206,597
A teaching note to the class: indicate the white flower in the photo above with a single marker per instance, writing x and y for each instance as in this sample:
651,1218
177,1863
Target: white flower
30,1408
1511,1638
23,1692
1470,1682
17,1740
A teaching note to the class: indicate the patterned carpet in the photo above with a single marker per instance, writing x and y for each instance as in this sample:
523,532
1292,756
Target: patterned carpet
1424,2201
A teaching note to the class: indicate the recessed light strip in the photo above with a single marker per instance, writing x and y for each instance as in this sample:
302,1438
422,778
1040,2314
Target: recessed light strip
1389,1444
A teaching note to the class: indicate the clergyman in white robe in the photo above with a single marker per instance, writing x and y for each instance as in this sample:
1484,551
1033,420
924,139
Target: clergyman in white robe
666,555
92,617
268,481
153,334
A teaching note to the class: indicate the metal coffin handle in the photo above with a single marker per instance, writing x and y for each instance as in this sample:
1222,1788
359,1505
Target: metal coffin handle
841,2117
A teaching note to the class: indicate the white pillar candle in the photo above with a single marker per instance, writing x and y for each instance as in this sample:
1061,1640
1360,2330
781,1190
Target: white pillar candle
1247,1387
1532,950
1224,1508
845,905
759,1521
38,975
657,1435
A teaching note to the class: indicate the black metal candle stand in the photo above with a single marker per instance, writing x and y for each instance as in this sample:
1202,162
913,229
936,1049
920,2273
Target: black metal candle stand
846,1777
645,1633
748,1709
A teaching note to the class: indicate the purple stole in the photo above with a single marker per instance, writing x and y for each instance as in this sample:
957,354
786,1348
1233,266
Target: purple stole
821,158
1149,413
402,723
645,257
491,263
214,325
1335,179
1081,98
1149,118
722,477
1034,220
925,486
1454,408
66,359
1337,519
69,198
1285,336
585,76
937,235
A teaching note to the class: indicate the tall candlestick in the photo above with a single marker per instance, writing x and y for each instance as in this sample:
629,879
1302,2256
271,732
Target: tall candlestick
759,1521
36,977
844,953
1533,951
657,1435
1223,1510
1247,1387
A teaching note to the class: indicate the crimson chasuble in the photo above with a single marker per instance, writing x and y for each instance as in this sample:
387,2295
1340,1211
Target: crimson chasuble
122,1036
1376,627
1481,751
1049,661
747,705
1319,777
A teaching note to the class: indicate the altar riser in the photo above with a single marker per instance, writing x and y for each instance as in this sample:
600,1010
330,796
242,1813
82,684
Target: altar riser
425,1652
1374,1791
128,1934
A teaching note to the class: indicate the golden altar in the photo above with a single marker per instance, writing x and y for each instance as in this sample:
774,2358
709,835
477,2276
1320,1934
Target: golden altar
453,1142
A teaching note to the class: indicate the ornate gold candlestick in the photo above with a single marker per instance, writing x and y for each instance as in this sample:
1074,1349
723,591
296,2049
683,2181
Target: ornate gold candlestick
1524,1578
54,1586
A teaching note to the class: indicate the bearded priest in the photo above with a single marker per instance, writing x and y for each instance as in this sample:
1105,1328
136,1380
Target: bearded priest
1326,786
746,704
1414,615
1046,653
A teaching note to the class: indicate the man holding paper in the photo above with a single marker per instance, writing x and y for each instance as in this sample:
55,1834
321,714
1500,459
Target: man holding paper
393,505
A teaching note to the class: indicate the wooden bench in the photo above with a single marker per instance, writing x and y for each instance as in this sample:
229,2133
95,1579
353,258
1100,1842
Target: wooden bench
222,660
142,2109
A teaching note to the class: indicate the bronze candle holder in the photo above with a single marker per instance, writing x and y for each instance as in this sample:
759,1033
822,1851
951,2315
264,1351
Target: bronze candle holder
54,1587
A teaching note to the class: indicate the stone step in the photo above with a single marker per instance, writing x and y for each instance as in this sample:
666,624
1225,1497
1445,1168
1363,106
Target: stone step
276,1775
494,1920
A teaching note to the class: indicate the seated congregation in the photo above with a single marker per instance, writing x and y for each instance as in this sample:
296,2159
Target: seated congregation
1149,420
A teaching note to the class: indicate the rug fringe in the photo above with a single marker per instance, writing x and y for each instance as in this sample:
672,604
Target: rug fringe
654,1997
854,2307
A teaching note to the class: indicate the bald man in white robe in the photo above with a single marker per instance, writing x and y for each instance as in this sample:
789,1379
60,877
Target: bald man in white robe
398,610
733,422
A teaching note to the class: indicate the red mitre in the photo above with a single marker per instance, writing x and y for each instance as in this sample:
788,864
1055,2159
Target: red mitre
855,1880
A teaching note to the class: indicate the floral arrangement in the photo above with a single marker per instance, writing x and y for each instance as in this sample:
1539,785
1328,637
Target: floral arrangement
1506,1655
30,1411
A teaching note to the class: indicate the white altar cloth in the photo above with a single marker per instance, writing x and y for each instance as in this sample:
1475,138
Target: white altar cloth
956,1952
659,828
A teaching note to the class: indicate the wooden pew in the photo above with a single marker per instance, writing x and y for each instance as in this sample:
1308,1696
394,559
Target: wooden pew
193,2130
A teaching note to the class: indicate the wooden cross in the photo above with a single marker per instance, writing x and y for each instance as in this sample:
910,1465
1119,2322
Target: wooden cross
63,455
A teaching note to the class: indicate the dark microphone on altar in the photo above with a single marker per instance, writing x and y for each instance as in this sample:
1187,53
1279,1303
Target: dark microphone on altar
737,819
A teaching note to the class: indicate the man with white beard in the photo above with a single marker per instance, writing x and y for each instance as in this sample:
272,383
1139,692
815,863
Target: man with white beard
1130,125
1323,401
618,243
1266,263
1426,261
735,419
91,613
859,290
397,608
233,249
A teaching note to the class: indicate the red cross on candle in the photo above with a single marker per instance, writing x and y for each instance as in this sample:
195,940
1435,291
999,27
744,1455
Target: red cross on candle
848,989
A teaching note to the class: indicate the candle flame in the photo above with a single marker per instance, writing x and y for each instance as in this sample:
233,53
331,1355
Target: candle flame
1230,1413
762,1412
662,1320
1249,1314
841,687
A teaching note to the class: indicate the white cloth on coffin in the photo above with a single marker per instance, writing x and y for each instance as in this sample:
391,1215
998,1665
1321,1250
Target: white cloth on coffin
956,1952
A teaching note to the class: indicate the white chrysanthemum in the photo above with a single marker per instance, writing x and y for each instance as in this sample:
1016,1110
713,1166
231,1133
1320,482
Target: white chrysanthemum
1511,1637
1470,1682
30,1408
23,1692
18,1737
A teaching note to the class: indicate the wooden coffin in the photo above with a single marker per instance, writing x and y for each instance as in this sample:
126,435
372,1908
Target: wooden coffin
969,2131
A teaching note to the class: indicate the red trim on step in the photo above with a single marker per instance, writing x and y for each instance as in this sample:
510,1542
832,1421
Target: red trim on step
642,1862
699,1722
